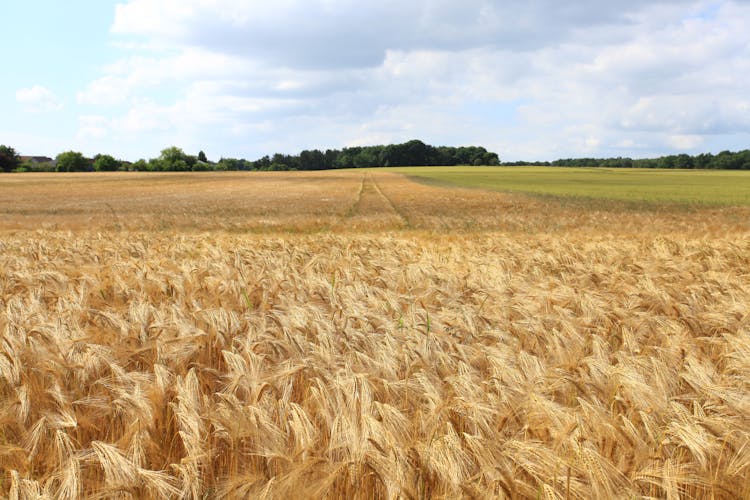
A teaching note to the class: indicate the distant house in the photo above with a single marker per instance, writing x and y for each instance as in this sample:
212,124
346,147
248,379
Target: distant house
37,160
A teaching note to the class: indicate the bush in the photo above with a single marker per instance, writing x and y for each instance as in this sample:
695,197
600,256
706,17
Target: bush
9,159
106,163
73,161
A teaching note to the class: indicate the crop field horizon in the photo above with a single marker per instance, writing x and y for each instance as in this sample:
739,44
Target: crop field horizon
358,334
690,187
359,200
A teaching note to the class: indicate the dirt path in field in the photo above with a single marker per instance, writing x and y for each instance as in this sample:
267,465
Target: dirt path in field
372,209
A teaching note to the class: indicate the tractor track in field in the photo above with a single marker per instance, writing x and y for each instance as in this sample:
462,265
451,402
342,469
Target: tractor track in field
355,206
372,208
404,221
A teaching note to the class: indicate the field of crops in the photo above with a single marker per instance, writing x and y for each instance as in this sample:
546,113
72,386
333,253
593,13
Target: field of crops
360,335
698,187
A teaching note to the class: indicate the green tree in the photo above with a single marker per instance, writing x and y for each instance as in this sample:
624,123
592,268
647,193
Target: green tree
485,159
174,159
312,160
139,166
233,164
9,159
263,163
106,163
202,157
201,166
683,161
73,161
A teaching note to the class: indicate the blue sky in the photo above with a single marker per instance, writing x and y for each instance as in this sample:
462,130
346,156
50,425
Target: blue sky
538,79
49,45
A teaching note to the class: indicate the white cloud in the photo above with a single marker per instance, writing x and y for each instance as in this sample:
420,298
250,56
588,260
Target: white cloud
533,80
685,142
92,127
106,91
38,99
346,33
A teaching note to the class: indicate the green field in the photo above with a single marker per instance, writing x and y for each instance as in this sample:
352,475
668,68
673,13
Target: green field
704,187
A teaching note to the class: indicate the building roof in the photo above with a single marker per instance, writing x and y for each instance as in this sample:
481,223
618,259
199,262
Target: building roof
36,159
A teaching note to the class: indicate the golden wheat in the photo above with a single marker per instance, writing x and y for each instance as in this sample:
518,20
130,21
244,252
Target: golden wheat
324,201
356,365
422,342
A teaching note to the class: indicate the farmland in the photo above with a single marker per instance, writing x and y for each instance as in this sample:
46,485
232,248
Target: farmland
701,187
356,334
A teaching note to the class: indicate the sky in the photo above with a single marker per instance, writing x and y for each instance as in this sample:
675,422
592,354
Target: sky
528,79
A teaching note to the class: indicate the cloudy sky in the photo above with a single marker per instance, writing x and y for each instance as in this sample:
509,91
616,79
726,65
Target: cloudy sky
530,79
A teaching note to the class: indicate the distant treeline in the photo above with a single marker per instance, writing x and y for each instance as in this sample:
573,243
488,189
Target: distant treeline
412,153
726,160
409,154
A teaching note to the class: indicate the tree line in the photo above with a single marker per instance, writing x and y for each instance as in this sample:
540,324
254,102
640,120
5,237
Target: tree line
726,160
409,154
174,159
412,153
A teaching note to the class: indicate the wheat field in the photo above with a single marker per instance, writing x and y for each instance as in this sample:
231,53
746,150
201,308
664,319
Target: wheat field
359,335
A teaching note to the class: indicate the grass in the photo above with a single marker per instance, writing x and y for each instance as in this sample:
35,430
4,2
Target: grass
704,187
365,336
